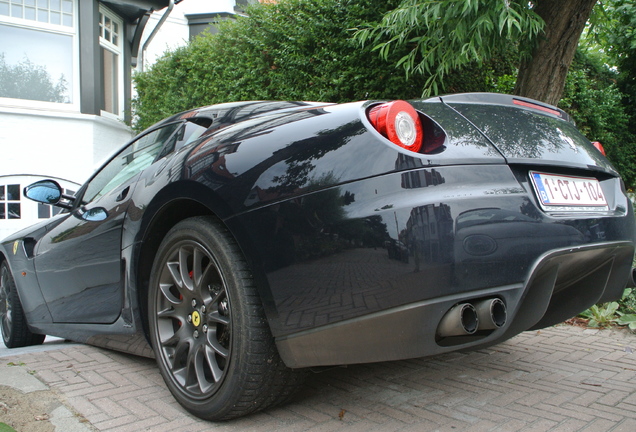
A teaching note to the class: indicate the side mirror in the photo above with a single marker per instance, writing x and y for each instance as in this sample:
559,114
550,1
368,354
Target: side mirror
47,192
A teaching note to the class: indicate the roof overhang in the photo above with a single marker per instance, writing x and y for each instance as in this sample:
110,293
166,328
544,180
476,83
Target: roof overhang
131,10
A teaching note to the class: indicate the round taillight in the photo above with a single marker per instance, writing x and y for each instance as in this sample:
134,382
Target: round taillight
599,147
399,122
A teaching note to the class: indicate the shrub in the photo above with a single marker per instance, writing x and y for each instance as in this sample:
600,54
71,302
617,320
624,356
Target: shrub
290,50
592,98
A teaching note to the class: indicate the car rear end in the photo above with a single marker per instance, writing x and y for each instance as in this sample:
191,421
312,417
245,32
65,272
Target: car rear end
416,228
573,236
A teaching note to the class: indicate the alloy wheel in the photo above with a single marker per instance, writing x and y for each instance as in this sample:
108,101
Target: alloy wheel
193,320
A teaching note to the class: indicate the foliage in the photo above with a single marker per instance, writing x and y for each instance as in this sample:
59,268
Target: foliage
291,50
627,309
613,33
6,428
445,35
628,320
593,99
622,47
494,75
603,315
627,305
614,28
622,312
26,80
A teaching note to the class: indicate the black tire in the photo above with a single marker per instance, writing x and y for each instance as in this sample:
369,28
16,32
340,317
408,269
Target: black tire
15,331
207,326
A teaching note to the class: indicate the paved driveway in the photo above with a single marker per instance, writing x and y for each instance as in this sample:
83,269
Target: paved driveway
558,379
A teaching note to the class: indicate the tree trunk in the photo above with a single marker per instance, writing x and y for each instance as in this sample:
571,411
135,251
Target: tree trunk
542,76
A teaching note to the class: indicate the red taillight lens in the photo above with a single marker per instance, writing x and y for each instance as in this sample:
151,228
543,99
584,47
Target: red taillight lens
399,122
599,147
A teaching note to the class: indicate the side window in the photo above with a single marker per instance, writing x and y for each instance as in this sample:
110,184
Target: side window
130,161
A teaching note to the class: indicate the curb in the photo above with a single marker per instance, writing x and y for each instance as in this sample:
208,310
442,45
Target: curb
63,418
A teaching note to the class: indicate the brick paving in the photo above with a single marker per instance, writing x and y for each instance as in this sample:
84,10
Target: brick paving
558,379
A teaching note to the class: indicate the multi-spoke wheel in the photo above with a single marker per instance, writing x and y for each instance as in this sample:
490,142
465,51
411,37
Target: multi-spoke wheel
15,331
207,325
193,318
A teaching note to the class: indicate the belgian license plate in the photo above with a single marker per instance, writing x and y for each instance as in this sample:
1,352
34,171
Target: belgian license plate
568,193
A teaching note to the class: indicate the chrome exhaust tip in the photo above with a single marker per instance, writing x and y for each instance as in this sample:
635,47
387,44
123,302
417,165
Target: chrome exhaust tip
460,320
491,313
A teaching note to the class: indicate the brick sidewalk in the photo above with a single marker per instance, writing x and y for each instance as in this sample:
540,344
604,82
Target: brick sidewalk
559,379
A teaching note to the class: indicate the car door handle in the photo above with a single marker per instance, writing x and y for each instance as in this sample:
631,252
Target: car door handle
123,194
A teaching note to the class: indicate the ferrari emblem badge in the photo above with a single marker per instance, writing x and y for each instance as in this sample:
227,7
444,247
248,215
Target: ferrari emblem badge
15,246
196,318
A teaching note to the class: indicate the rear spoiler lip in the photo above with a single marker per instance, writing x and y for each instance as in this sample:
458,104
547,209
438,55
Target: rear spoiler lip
506,100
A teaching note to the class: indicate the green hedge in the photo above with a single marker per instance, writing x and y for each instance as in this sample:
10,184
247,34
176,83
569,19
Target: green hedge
292,50
594,101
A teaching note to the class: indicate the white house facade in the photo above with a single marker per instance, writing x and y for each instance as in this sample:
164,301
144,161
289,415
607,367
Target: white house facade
65,84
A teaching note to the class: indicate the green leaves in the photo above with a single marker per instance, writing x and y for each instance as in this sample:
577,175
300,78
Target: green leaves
593,99
628,320
601,315
292,50
445,35
622,313
304,50
6,428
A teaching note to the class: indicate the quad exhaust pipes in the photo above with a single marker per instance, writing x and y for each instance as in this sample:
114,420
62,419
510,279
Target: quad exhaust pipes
466,318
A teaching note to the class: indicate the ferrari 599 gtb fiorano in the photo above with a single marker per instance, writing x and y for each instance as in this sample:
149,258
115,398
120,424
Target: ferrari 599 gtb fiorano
249,241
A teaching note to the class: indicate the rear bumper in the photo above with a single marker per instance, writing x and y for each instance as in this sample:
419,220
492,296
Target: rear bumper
560,284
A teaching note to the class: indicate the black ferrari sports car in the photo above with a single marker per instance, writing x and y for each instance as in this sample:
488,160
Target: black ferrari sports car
249,241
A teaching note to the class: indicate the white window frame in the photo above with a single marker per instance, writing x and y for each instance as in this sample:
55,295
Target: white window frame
5,201
73,31
119,51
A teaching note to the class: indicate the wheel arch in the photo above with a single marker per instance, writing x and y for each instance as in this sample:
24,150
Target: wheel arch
16,332
175,203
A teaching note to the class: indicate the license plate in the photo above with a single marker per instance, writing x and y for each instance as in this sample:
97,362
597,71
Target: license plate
568,193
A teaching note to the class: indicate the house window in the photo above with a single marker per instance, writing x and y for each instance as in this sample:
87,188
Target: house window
39,63
10,201
110,36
